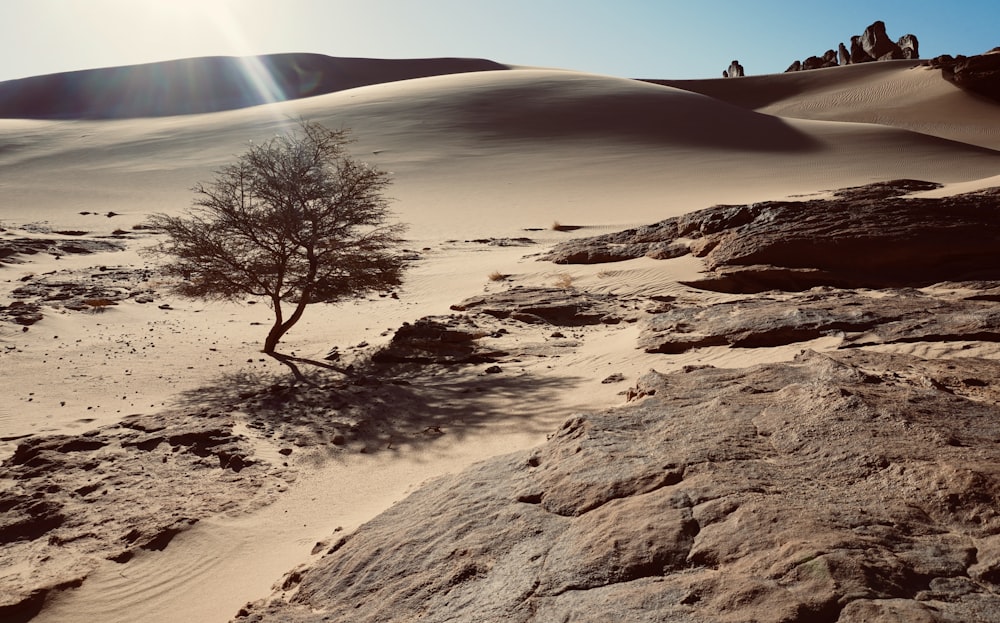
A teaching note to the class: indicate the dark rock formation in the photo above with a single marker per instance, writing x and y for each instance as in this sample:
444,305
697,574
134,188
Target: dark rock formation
877,45
844,54
844,488
910,47
21,313
977,74
871,45
735,70
858,53
864,237
816,62
443,340
557,306
12,250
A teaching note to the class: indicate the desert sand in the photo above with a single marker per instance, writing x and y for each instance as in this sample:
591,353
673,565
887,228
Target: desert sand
483,164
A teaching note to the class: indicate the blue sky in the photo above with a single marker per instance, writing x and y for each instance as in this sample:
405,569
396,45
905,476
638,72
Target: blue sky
629,38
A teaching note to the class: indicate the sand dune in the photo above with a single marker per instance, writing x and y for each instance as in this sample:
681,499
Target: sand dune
207,84
487,152
477,157
902,94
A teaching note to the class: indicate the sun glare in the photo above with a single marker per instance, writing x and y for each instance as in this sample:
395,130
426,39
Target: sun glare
221,18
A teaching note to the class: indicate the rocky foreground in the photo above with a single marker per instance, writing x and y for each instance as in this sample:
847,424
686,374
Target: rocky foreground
853,487
856,484
847,486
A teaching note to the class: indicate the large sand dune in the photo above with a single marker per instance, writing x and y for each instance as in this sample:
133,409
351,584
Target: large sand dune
487,150
208,84
476,157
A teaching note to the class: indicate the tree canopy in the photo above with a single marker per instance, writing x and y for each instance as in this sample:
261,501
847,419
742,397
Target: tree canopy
295,220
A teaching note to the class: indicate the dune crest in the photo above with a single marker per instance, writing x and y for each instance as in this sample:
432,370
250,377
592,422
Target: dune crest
208,84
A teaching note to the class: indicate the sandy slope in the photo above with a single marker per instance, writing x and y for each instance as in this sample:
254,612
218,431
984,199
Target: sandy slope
898,93
474,156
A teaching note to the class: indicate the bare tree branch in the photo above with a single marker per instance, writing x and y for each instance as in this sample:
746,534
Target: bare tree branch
295,219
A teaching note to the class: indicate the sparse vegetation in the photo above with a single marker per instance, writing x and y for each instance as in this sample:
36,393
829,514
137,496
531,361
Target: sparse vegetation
295,220
496,275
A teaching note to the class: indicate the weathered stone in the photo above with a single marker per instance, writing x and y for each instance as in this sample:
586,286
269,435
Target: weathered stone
803,491
844,54
872,45
443,339
557,306
877,44
858,53
867,236
72,501
910,46
979,74
862,319
12,248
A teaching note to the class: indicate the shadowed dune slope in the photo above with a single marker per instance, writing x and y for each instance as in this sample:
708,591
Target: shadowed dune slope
486,151
208,84
901,94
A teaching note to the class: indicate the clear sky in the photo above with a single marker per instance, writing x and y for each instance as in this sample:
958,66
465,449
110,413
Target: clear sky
629,38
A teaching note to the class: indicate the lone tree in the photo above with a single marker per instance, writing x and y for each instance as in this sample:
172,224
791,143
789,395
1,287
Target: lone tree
296,220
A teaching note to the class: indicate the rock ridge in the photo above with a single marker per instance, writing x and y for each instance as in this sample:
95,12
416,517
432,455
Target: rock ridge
864,237
873,44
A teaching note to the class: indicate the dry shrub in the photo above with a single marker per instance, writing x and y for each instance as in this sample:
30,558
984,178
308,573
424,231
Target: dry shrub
496,275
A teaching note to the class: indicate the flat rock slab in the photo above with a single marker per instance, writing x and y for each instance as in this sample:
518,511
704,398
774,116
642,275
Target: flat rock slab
556,306
832,488
865,237
71,500
861,317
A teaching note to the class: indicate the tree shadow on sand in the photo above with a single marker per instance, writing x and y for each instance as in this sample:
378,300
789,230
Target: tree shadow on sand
384,407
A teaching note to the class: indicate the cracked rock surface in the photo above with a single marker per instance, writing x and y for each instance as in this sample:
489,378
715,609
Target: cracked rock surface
834,488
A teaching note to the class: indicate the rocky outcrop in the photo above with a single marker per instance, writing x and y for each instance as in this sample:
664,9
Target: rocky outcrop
71,500
871,45
910,46
978,74
844,488
843,54
441,340
735,70
869,236
557,306
77,290
860,318
13,250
